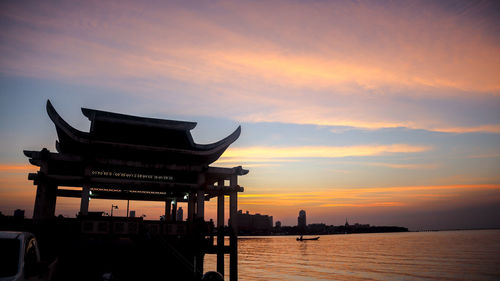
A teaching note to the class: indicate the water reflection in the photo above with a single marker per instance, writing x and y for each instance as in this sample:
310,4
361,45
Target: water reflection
449,255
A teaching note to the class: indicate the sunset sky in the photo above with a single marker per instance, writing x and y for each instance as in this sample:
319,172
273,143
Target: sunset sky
381,112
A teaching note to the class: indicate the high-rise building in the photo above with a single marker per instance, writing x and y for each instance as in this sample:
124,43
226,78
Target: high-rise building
301,220
180,214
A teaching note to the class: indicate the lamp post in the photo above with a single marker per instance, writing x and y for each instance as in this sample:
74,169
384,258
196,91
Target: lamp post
113,207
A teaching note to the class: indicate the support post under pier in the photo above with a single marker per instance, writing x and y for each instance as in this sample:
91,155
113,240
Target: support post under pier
233,213
220,230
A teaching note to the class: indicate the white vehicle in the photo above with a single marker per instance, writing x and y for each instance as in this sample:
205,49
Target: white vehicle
20,257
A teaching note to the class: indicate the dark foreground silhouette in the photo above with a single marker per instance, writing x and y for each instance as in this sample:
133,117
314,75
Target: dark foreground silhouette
80,257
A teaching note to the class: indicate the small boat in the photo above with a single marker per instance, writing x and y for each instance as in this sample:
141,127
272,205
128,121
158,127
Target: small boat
303,239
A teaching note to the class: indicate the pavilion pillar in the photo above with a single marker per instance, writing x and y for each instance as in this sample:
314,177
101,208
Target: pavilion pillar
191,206
220,229
200,197
45,201
168,208
51,200
84,203
200,217
174,211
46,195
39,202
200,214
233,239
200,205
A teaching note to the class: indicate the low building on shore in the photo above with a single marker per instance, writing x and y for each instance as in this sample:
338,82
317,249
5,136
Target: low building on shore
254,224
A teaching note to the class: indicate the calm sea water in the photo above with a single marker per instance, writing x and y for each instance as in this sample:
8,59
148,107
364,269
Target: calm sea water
444,255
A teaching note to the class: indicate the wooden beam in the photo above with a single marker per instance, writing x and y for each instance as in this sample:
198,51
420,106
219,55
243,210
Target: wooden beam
215,250
239,171
59,157
126,184
226,190
119,195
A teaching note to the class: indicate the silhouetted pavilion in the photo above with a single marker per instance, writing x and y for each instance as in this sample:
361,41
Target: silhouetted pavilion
134,158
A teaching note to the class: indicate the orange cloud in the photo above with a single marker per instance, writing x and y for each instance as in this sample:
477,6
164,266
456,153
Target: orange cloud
398,196
249,163
361,205
17,167
262,152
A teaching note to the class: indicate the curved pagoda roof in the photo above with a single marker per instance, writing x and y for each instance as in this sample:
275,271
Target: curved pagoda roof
138,138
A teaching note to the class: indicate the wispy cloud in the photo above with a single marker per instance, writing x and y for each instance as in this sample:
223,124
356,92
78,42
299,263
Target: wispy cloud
254,60
471,129
493,154
430,166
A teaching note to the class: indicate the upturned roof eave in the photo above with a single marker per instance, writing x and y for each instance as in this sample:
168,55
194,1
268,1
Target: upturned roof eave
226,141
211,152
63,126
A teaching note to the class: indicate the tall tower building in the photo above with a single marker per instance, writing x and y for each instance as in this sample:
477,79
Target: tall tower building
301,220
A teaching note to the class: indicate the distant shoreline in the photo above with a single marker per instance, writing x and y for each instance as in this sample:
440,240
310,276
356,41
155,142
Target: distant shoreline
456,229
322,234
